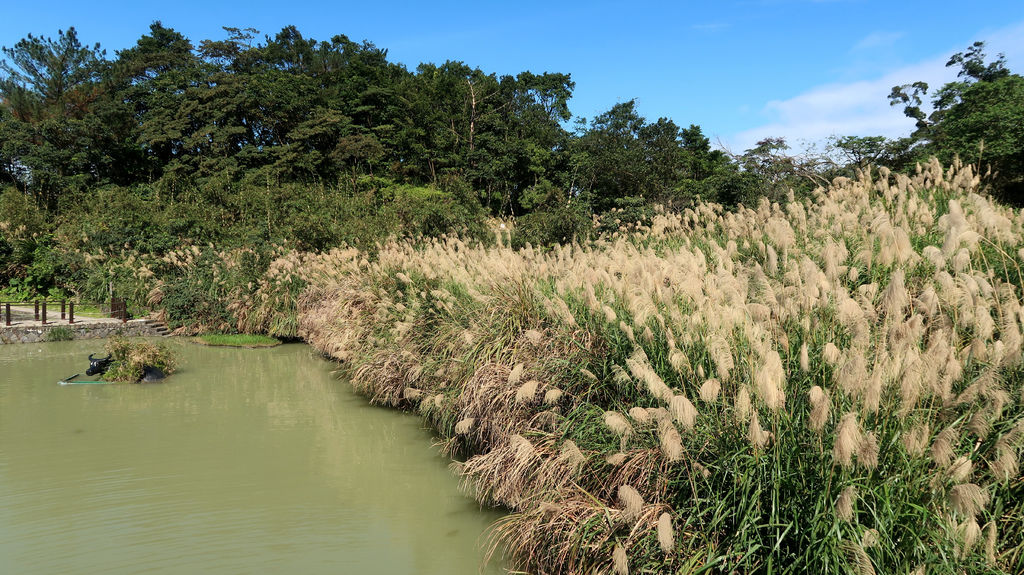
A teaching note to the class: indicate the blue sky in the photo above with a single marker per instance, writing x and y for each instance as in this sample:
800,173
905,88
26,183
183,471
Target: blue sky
742,70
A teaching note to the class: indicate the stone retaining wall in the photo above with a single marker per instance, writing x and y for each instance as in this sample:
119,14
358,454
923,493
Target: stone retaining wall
36,334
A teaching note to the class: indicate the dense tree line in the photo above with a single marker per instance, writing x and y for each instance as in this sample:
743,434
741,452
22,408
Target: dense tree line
979,118
248,140
174,116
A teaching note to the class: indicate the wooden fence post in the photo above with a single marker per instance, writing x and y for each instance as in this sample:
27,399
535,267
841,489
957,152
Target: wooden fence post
44,312
71,312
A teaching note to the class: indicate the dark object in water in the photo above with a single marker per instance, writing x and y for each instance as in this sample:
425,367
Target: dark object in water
151,374
98,365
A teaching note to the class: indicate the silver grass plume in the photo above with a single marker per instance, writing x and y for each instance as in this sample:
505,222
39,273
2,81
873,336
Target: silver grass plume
969,532
916,440
552,396
571,454
895,298
867,454
990,543
464,425
527,392
741,406
516,374
710,390
679,362
721,354
666,537
616,459
640,415
626,329
757,436
683,411
942,447
671,442
609,314
1005,464
632,503
618,424
968,499
848,440
769,379
844,504
861,560
820,408
961,469
869,539
620,561
831,355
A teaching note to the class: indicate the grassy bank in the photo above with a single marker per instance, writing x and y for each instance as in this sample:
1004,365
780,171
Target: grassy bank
830,386
236,340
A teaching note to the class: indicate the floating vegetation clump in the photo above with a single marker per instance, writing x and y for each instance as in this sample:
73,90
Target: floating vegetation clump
130,357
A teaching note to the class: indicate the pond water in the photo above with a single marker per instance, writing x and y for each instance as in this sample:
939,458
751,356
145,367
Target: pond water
246,461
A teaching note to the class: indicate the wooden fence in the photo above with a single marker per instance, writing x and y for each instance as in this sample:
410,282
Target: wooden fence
44,310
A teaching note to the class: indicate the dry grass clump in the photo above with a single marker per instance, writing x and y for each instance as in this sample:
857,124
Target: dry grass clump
829,385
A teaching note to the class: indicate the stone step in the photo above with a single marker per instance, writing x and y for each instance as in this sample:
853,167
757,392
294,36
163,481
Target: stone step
158,328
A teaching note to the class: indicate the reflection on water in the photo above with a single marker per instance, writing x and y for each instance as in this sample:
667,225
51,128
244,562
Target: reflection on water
246,461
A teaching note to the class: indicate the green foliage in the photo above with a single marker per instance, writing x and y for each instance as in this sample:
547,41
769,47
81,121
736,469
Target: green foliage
237,340
863,151
553,224
978,118
59,333
56,133
43,76
30,267
419,211
193,300
27,260
202,283
19,216
987,128
627,215
730,188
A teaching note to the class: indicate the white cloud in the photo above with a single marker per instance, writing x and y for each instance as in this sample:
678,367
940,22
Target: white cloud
852,109
709,27
877,40
862,108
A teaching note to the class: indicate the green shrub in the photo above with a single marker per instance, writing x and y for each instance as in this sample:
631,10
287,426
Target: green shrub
419,211
552,225
59,333
627,214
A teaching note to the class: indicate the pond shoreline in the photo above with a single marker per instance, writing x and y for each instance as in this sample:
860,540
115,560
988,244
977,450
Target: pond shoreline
38,333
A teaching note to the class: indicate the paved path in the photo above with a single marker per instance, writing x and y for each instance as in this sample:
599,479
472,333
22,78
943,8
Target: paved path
24,316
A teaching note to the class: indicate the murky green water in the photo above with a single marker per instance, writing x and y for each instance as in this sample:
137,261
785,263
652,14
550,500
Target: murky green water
247,461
